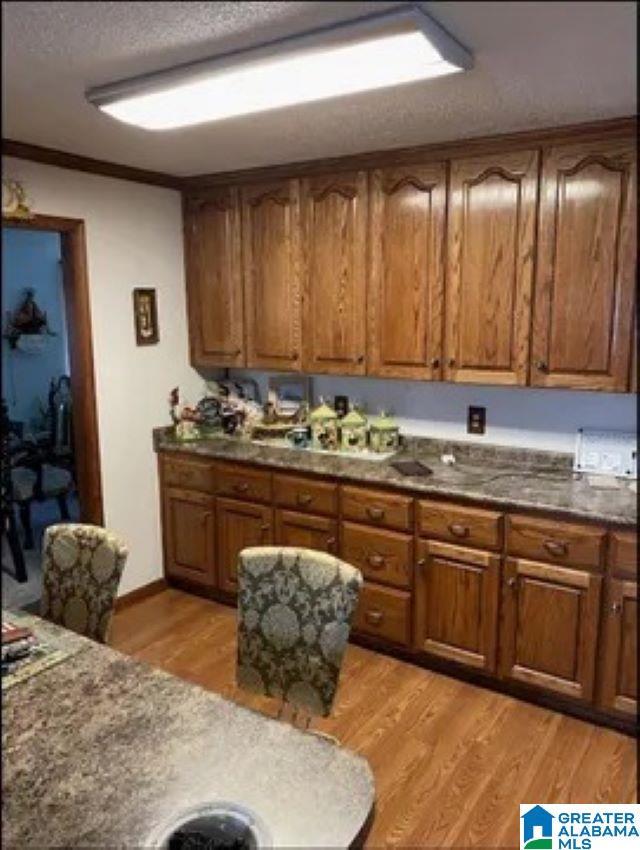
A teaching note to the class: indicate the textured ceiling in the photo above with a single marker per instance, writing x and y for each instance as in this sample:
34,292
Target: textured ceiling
536,64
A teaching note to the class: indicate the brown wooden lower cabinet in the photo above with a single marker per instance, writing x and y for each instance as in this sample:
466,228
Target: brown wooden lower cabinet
240,525
618,660
457,591
385,613
189,535
306,531
550,627
542,624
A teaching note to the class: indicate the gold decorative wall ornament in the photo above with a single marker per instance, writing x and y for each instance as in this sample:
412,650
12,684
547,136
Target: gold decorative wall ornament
15,203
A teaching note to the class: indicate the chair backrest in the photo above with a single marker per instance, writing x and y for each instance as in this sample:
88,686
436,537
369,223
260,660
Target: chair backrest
294,612
81,566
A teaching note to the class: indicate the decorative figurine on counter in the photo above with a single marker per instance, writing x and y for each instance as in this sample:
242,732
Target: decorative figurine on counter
324,427
384,434
353,431
186,419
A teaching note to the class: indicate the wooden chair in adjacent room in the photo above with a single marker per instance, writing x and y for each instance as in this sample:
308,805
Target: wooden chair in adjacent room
82,566
294,613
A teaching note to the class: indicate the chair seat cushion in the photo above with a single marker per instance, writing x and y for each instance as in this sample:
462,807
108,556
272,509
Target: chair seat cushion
55,481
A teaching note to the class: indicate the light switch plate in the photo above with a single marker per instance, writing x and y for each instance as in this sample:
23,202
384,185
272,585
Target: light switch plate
600,452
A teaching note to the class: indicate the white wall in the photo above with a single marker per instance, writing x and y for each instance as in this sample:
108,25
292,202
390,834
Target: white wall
539,419
134,238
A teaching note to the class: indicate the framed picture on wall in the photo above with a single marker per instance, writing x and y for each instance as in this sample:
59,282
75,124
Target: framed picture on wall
145,314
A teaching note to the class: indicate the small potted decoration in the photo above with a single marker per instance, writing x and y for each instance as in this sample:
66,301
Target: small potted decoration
353,431
384,434
324,427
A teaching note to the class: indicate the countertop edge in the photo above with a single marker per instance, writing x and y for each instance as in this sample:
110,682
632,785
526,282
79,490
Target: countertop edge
421,489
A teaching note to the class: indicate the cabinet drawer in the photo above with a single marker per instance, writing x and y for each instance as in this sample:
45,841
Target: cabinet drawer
623,553
306,494
467,526
384,613
384,556
188,474
376,507
560,542
244,483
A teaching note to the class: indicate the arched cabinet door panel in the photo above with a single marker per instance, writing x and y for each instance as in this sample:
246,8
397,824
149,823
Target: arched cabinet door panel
334,214
214,279
491,233
406,271
271,260
583,312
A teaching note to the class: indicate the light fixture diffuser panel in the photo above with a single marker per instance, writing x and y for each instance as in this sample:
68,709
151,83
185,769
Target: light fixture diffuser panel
372,53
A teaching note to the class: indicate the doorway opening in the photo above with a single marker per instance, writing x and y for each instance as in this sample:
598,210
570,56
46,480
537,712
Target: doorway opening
50,455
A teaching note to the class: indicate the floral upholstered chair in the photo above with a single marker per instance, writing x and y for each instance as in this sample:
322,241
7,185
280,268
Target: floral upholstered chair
82,566
294,610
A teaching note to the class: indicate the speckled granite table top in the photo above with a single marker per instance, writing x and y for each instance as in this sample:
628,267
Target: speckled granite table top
101,750
504,478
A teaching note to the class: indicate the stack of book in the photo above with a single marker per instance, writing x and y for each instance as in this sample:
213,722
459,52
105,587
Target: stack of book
17,645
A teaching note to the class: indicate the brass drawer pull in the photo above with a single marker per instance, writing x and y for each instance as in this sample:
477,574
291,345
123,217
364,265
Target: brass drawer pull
376,561
304,498
375,513
459,530
555,547
241,487
374,617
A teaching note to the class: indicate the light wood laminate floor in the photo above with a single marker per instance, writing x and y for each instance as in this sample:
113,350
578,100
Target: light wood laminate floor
452,761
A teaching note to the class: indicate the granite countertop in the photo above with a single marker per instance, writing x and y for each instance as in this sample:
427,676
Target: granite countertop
490,475
101,750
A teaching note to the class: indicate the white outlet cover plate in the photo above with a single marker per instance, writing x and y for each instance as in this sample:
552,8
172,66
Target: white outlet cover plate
600,452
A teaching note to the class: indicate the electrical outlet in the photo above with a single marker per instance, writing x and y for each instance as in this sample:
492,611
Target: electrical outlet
476,419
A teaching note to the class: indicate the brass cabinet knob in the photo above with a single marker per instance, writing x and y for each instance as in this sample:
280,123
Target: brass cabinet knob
376,561
373,617
452,361
616,608
435,362
360,358
459,530
555,547
375,513
422,562
331,542
304,498
241,487
511,582
541,366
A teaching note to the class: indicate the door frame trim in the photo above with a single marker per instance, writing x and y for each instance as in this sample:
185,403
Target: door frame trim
80,341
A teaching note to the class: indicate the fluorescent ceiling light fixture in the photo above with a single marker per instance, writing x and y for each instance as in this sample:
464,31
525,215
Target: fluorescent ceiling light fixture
376,52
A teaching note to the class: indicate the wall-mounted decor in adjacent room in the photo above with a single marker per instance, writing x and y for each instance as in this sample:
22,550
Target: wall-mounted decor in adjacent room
145,313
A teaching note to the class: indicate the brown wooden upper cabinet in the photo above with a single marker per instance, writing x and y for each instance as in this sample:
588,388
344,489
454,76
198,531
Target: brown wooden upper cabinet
214,279
586,267
271,262
406,271
334,215
492,209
